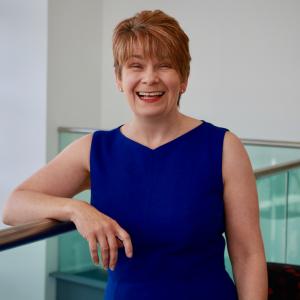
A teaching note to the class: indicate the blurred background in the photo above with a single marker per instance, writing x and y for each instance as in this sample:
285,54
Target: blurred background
56,70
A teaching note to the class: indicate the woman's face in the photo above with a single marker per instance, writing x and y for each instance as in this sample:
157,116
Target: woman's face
151,86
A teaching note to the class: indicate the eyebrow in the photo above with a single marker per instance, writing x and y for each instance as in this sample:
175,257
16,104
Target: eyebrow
142,57
136,56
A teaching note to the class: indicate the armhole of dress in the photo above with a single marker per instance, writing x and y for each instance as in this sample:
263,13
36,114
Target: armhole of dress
91,165
221,160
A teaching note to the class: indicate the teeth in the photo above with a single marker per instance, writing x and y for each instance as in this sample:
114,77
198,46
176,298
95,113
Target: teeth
150,94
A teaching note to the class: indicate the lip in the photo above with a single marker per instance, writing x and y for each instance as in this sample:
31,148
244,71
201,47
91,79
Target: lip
150,99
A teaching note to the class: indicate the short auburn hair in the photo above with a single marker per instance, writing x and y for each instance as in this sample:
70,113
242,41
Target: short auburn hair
160,36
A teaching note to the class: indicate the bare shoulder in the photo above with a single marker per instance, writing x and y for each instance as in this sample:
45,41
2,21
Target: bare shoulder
79,151
235,161
81,148
67,174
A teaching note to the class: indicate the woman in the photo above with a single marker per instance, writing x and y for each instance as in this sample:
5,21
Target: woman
164,186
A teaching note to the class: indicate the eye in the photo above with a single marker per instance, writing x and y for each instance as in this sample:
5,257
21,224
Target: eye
135,66
165,66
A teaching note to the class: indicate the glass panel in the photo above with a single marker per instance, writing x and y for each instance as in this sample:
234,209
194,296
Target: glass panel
272,202
66,138
293,238
265,156
73,250
227,262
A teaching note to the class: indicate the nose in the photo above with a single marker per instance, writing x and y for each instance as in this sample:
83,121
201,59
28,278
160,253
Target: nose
150,76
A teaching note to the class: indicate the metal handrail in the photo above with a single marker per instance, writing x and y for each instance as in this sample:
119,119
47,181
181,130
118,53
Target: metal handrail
31,232
34,231
277,168
76,129
271,143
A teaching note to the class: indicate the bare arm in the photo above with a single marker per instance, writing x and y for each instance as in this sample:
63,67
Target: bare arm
245,245
48,192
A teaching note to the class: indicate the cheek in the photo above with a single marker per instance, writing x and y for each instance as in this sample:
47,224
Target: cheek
130,83
172,81
174,86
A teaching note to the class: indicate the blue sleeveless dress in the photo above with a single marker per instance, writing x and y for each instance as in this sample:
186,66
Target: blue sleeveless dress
170,201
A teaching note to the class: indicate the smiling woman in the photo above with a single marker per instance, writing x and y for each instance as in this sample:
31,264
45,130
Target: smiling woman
165,186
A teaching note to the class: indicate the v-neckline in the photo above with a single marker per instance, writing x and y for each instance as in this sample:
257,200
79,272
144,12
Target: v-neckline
180,137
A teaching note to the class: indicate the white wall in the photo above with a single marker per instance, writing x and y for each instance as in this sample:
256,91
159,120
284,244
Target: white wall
245,66
74,66
74,82
23,61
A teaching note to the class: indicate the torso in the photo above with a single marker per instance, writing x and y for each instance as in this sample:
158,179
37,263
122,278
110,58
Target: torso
188,124
169,196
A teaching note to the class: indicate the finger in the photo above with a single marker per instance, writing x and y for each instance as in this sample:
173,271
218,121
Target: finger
113,253
119,242
104,249
94,250
125,238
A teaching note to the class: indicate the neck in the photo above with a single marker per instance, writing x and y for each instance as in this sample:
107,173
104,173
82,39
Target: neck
155,130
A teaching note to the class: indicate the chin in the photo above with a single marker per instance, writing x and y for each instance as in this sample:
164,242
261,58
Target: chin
148,112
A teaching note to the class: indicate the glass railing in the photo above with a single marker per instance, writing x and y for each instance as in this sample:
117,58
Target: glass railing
279,201
266,156
277,171
279,198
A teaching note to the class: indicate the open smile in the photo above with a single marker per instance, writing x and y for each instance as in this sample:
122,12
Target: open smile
150,96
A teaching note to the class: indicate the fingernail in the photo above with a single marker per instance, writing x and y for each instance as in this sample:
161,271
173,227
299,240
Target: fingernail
112,268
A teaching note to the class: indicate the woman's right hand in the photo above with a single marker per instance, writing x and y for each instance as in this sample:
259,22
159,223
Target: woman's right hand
98,228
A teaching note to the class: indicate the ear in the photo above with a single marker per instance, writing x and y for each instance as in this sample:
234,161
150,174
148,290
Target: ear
118,82
183,86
